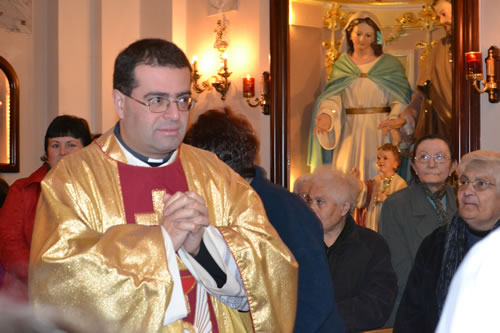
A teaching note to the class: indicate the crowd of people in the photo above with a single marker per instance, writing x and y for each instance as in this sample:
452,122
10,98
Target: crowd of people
154,227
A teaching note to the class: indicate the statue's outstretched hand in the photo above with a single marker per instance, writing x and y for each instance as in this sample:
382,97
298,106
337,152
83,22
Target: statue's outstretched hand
322,123
389,124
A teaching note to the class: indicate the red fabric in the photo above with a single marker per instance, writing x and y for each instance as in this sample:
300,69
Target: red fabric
138,182
189,288
360,213
17,217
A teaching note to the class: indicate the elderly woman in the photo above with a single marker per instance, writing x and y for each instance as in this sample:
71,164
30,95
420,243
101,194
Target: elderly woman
410,215
443,250
64,135
364,282
366,87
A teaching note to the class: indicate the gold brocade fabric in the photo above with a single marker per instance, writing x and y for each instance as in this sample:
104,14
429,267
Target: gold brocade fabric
85,257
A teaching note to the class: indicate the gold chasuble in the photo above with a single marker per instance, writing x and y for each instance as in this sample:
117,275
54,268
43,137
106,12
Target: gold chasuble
86,257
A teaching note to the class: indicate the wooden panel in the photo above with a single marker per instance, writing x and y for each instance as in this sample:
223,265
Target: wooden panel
466,101
279,91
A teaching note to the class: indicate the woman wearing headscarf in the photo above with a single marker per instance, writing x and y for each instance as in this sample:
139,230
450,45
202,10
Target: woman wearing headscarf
443,250
366,87
64,135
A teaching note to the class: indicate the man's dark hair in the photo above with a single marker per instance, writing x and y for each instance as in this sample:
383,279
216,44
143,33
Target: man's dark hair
152,52
229,136
67,125
377,48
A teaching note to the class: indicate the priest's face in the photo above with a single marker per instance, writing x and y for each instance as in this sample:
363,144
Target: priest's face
154,134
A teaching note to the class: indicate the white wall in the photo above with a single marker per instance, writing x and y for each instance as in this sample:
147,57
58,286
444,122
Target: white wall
248,53
490,113
65,65
27,55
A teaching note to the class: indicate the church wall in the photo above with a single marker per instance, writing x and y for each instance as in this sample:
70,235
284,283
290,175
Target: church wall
490,113
65,64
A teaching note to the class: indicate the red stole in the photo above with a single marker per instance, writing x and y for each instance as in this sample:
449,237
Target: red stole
138,184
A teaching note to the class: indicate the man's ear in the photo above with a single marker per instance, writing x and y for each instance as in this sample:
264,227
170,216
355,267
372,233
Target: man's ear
119,102
346,208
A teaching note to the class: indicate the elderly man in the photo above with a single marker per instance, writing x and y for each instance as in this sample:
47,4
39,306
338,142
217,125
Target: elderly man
295,222
442,251
153,235
360,263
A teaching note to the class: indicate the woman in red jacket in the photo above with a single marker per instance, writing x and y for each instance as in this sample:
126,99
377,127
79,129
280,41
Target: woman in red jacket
64,135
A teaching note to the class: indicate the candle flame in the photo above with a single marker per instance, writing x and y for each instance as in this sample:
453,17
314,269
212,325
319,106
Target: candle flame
473,56
248,76
195,59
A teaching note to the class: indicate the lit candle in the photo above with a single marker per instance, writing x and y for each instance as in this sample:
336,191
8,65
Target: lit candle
224,58
248,86
195,64
474,65
264,83
491,60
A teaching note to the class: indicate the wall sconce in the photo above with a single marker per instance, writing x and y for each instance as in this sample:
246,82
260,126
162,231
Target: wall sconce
475,72
220,81
249,92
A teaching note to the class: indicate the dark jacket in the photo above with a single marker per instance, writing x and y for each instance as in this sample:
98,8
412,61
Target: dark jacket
407,217
365,283
418,310
302,232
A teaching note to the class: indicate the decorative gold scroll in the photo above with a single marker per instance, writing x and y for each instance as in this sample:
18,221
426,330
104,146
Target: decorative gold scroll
335,19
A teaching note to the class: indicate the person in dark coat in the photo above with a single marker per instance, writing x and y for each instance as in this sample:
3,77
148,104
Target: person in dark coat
442,251
233,140
413,213
359,259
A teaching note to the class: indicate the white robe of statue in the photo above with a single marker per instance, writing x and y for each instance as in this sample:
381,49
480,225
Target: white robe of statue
360,137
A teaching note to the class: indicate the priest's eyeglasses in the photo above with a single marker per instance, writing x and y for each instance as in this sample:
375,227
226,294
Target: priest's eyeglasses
478,185
161,104
426,158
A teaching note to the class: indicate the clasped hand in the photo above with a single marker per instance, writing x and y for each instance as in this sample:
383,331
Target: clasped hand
185,217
